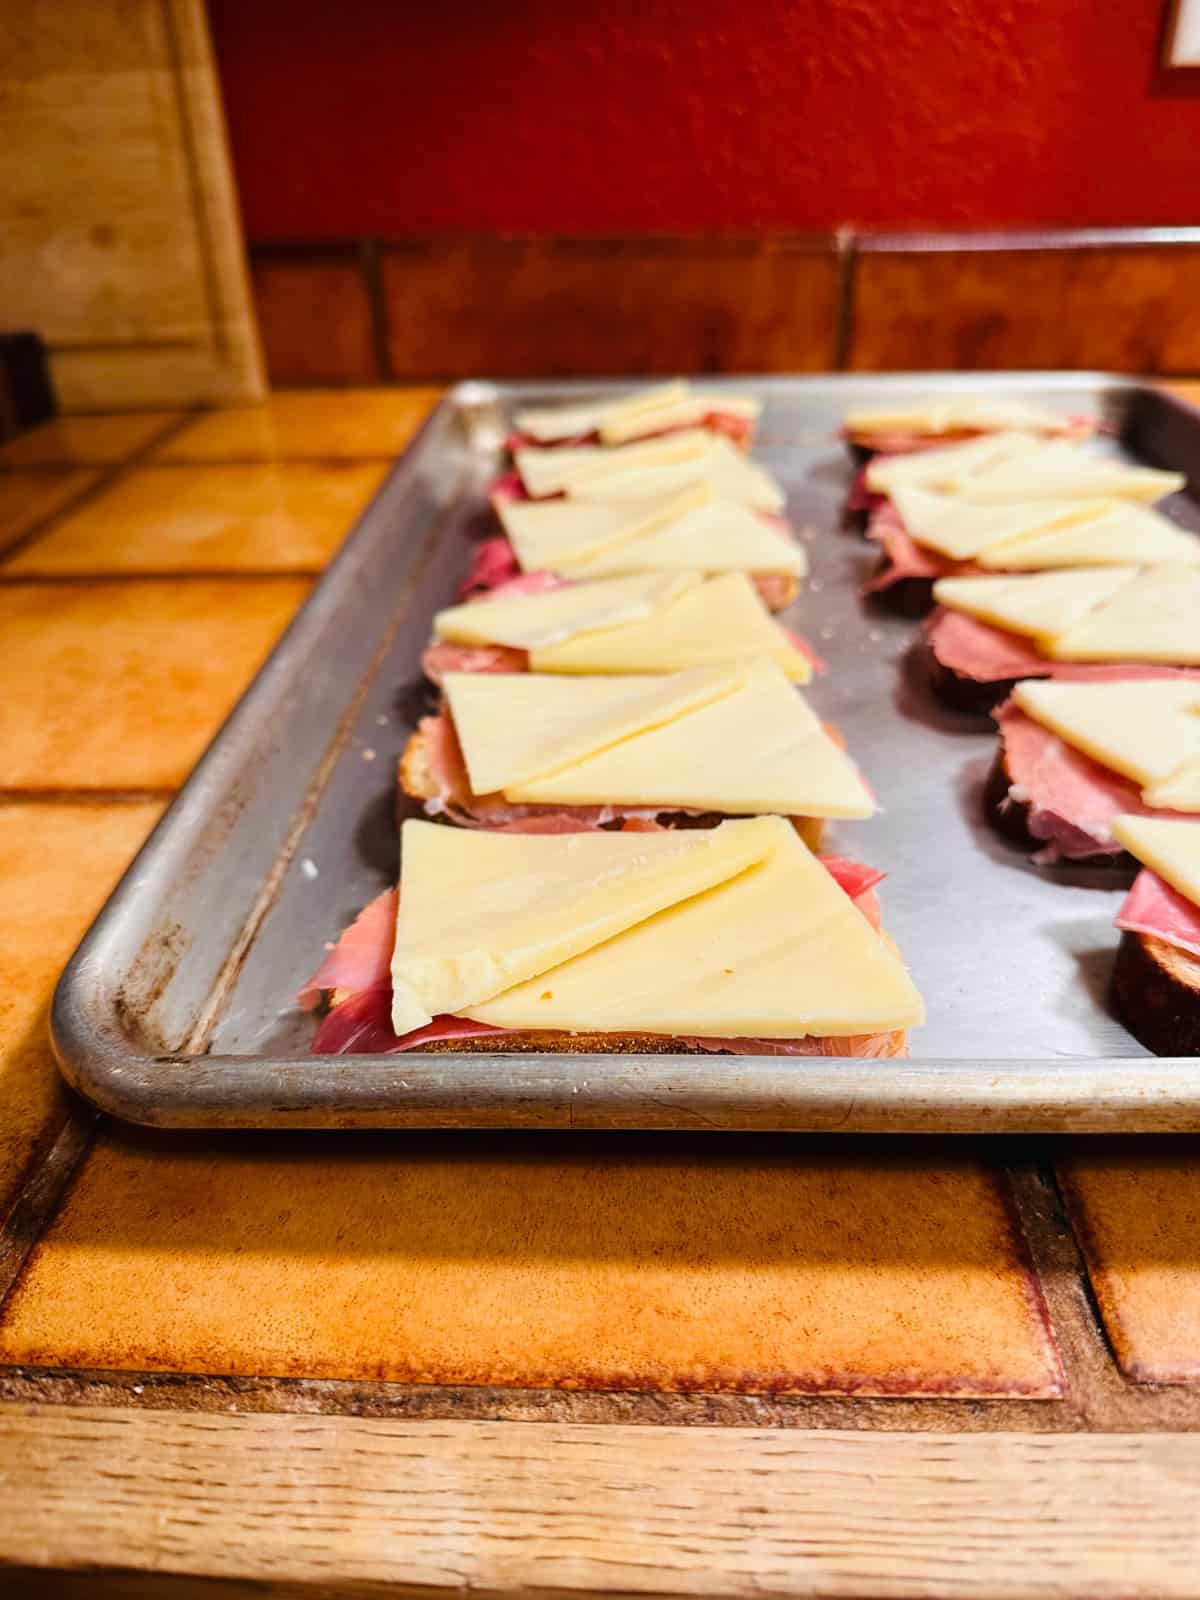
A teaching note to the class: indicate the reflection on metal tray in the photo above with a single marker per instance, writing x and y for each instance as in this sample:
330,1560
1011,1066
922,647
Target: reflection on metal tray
176,1008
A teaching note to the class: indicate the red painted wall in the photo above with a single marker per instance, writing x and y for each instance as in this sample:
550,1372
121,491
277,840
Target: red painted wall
400,116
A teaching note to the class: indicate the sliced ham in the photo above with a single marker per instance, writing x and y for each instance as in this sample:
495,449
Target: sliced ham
906,558
493,563
361,959
502,491
860,497
1152,906
362,1026
439,659
976,650
1072,799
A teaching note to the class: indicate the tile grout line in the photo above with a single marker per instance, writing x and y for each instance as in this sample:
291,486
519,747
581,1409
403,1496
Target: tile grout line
114,473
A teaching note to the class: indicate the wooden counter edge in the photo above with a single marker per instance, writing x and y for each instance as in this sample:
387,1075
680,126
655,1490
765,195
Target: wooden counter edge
345,1505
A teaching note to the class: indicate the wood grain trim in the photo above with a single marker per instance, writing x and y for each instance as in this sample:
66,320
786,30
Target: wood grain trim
345,1505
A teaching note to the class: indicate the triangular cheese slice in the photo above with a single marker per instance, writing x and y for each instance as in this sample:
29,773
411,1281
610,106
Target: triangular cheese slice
953,414
1100,533
777,952
1057,470
653,467
562,471
548,535
717,536
1040,604
1155,617
946,469
1146,729
690,411
534,621
759,748
1180,791
524,724
1172,849
956,528
551,423
480,912
718,621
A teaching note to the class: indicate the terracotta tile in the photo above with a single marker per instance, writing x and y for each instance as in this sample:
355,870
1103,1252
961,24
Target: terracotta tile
121,685
1136,1209
28,497
545,306
314,423
57,863
1129,309
282,516
586,1262
314,316
85,441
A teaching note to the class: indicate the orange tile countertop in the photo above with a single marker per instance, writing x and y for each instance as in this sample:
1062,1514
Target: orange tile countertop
849,1295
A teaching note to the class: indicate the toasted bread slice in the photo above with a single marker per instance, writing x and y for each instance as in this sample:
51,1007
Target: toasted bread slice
910,597
962,693
1156,994
776,590
416,773
889,1046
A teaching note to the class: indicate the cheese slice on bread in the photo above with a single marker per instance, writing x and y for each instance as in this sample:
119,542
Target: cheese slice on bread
654,622
652,468
1058,470
955,415
735,933
616,420
1039,605
946,469
692,530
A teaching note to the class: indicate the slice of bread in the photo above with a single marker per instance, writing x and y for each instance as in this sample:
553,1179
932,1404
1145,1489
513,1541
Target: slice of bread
625,1044
1156,994
955,689
416,773
909,597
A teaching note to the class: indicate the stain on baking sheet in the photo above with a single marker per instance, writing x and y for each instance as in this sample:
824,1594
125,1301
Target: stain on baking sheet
670,1264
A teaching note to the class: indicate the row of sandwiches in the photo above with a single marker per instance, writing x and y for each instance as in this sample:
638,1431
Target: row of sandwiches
1069,610
625,789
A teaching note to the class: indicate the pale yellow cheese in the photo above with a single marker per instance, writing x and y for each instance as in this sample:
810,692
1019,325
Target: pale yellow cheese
953,414
550,423
652,467
1170,848
1037,604
721,620
1101,533
1145,729
1058,470
525,724
758,748
957,528
718,535
534,621
1180,791
948,468
690,411
1153,617
776,952
547,534
480,912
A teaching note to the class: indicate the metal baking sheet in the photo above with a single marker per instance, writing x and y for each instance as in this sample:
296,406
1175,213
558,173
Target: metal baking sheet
176,1008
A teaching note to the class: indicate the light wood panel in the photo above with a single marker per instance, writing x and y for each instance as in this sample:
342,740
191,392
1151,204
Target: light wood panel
121,241
352,1505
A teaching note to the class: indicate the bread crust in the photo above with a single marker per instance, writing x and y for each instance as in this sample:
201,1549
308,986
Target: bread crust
627,1044
416,776
909,597
978,696
1156,994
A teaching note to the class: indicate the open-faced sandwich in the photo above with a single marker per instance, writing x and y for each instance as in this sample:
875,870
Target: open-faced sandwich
929,536
650,622
734,940
1073,757
1078,623
615,420
711,742
950,419
1156,979
696,527
1007,468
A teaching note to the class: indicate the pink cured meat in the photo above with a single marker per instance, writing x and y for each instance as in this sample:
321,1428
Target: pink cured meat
1072,799
362,1025
508,488
906,558
438,659
859,497
1152,906
361,959
975,649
